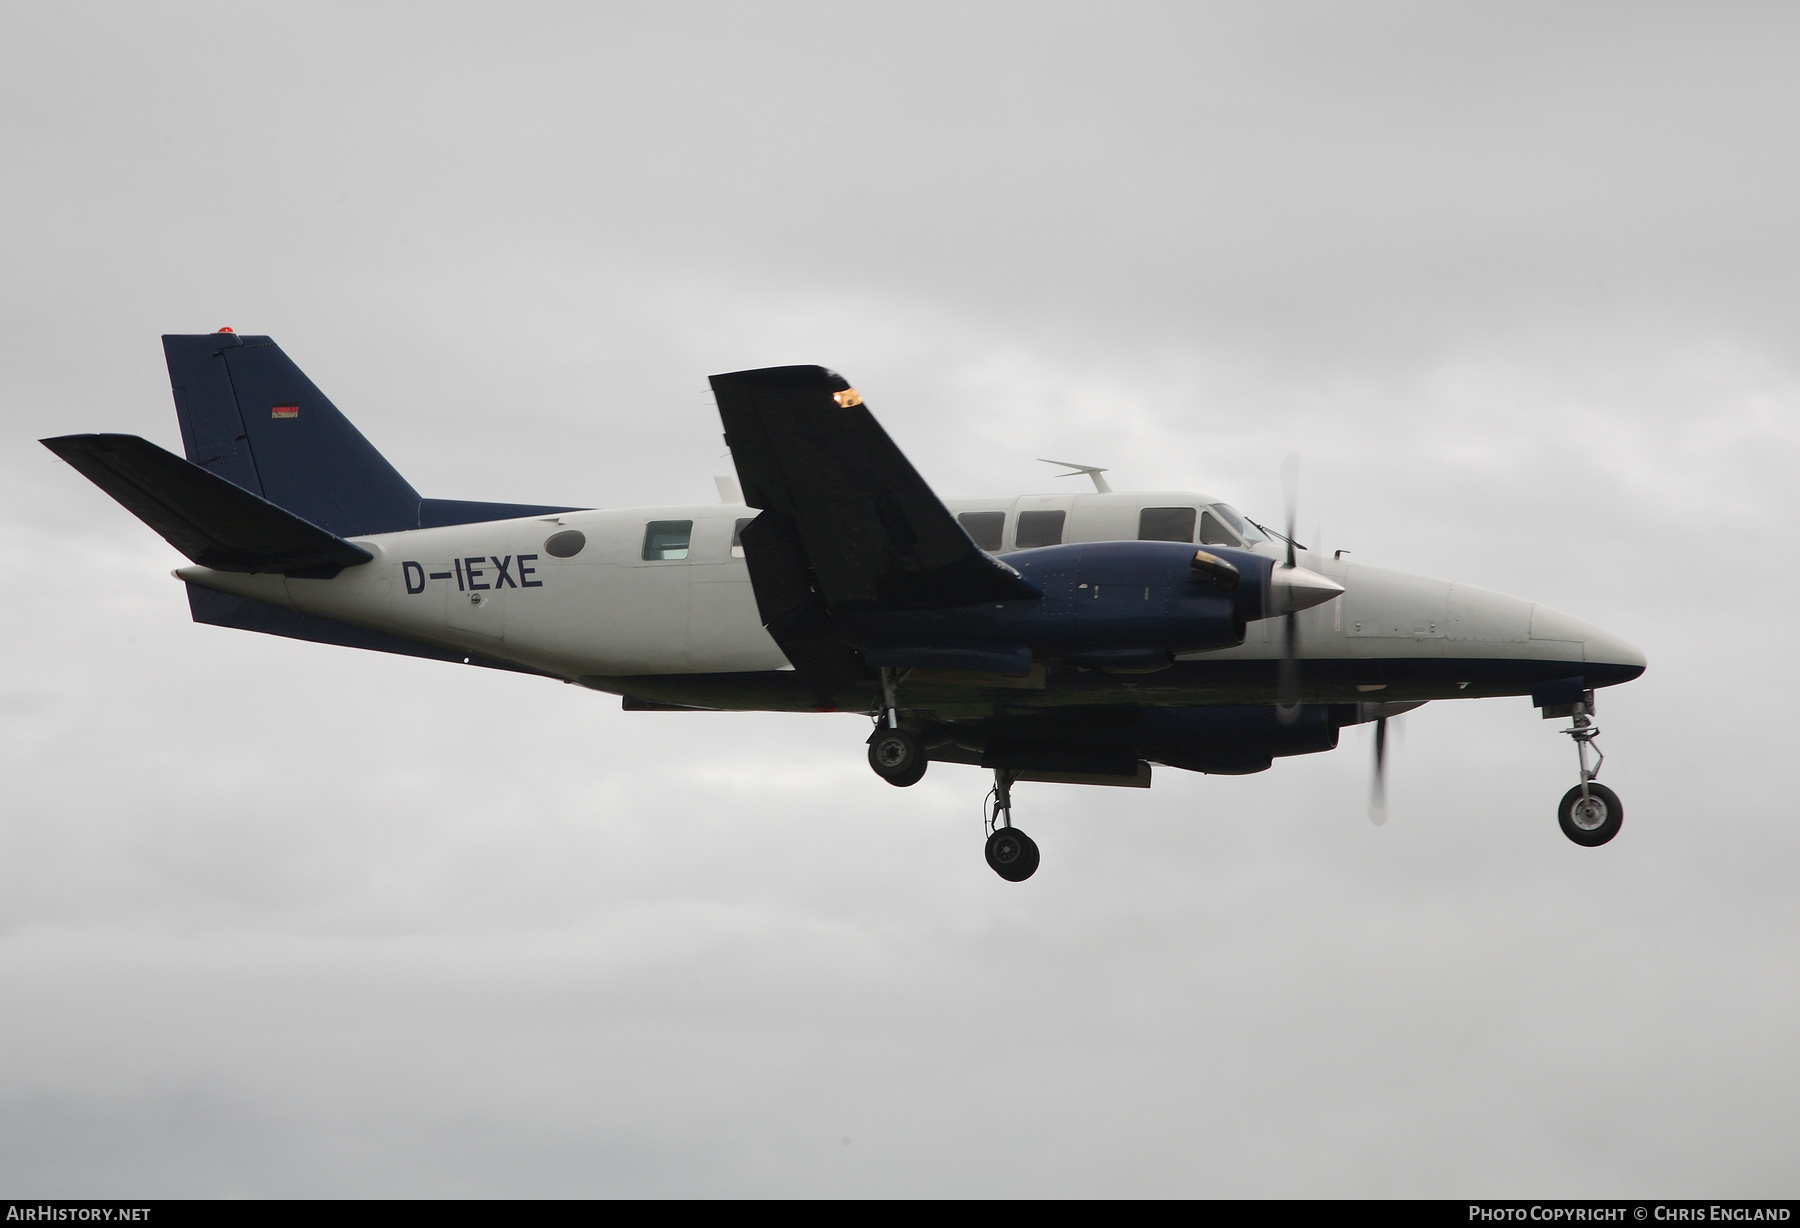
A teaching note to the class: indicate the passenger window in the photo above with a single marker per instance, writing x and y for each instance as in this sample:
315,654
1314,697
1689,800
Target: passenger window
1212,533
987,528
667,539
1039,529
737,537
1166,524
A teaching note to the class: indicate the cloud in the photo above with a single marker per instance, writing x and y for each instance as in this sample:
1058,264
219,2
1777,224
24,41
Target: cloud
283,919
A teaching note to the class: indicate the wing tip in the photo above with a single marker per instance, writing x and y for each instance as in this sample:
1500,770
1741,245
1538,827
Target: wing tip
801,377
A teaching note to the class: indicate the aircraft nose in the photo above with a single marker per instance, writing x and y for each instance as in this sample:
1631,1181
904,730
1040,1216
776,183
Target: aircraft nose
1610,659
1605,648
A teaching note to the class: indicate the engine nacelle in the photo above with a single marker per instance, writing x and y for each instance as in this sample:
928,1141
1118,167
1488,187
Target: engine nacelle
1122,606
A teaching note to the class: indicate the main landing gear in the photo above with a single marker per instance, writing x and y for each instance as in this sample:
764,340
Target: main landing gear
898,757
896,754
1011,853
1590,814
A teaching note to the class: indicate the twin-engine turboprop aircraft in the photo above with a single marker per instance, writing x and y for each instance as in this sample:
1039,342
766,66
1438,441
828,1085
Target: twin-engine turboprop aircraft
1065,638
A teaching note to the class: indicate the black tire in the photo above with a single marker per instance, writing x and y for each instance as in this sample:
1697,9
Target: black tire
897,757
1595,823
1012,854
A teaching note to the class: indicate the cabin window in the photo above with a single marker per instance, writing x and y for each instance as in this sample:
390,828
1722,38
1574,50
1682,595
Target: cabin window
737,536
667,539
986,528
565,545
1166,524
1039,529
1213,531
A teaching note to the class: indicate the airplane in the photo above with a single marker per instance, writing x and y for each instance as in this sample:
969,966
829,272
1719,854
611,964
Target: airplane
1073,638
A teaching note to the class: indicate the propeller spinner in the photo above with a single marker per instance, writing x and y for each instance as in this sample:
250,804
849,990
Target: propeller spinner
1293,588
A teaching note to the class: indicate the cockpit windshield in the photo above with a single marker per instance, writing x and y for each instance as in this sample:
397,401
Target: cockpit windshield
1235,520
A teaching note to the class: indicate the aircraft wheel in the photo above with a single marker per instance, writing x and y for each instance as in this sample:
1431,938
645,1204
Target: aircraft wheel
897,757
1593,821
1012,854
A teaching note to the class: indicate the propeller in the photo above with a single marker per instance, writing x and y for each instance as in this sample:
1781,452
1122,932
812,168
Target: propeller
1378,782
1287,679
1381,714
1292,588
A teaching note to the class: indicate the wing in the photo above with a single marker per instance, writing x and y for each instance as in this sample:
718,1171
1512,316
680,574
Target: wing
869,530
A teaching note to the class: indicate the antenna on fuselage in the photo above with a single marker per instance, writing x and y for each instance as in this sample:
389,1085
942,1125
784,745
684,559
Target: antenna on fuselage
1093,471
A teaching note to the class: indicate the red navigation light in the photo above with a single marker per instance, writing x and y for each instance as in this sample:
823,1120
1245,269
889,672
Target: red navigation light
224,330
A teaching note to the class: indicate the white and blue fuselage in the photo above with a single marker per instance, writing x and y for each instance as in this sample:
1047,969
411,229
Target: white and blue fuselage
626,613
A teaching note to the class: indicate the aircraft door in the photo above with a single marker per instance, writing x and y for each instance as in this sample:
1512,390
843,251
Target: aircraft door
646,610
725,631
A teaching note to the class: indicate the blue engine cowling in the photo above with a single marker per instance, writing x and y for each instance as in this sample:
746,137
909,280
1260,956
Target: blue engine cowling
1113,605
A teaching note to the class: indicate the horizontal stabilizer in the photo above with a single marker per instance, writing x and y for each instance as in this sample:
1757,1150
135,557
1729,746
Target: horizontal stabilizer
215,522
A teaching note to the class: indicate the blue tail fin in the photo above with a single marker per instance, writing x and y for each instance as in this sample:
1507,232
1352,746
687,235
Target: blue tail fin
251,416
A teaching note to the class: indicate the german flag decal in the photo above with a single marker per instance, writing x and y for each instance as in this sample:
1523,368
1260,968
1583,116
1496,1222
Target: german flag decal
285,411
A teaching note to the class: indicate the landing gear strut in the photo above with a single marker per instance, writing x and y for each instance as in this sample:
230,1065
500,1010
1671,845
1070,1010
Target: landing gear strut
1011,853
1590,814
895,753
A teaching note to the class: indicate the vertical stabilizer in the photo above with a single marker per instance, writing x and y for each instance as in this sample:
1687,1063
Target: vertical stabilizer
251,416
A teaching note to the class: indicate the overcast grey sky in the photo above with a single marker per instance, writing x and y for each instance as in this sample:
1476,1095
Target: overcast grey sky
1519,282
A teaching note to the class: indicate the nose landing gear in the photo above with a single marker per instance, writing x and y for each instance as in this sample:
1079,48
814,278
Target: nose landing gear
1590,814
1011,853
